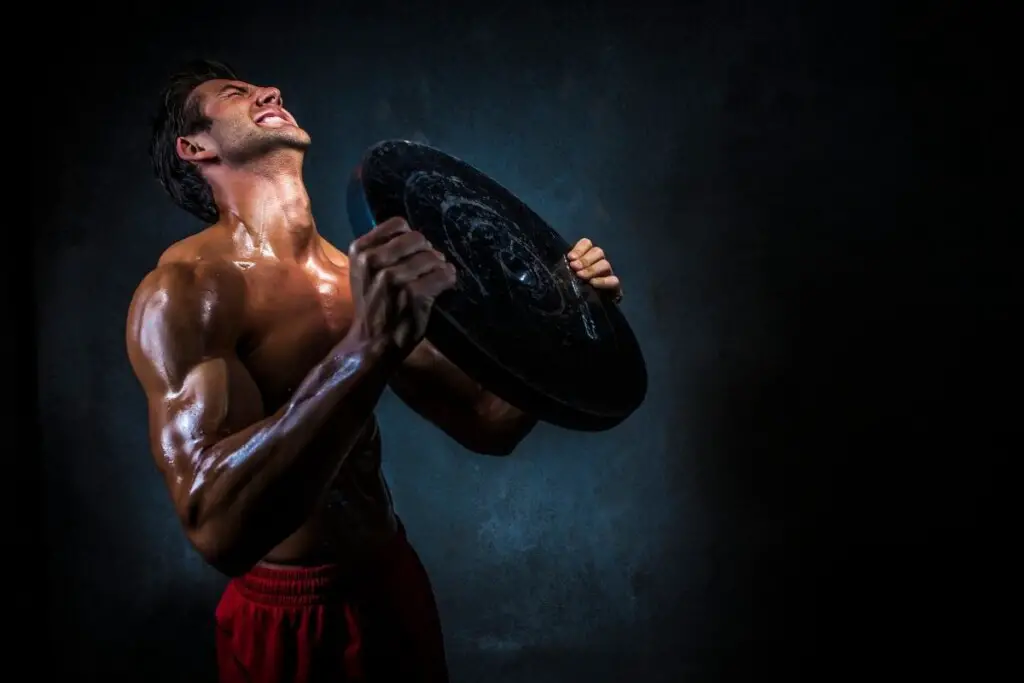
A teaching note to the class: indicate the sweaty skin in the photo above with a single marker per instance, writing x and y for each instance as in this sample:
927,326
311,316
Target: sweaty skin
261,403
262,371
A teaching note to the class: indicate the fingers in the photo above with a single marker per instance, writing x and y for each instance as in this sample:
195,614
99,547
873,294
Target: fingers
589,257
405,246
581,248
380,234
435,281
400,247
606,282
411,268
589,264
588,261
600,269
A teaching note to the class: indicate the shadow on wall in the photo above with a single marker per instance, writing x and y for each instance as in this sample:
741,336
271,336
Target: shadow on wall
833,440
174,614
171,641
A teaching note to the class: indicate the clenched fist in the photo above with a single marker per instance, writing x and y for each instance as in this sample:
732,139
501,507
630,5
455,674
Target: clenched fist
395,276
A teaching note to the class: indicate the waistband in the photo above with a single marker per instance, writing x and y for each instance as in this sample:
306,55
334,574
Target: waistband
313,585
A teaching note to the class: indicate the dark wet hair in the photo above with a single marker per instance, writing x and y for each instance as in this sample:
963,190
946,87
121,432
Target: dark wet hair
178,115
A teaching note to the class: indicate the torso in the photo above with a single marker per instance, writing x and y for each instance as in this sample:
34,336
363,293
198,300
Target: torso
294,314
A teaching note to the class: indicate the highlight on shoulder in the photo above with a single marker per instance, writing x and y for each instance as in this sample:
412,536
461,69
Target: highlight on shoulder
192,308
209,244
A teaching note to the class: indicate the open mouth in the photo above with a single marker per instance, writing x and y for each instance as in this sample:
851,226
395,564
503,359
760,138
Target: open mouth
274,118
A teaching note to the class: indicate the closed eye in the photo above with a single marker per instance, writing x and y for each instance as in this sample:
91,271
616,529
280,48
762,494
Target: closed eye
233,90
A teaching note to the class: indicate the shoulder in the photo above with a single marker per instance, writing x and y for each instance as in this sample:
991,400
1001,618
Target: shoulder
197,270
203,282
183,311
210,244
197,288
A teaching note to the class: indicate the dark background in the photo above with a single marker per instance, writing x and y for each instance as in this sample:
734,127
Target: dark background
803,202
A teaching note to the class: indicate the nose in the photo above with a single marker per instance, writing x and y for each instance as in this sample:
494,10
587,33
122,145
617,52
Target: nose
267,96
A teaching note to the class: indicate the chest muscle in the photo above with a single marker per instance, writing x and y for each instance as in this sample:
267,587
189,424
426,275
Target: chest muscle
294,318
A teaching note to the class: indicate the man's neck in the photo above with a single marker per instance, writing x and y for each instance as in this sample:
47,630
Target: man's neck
267,207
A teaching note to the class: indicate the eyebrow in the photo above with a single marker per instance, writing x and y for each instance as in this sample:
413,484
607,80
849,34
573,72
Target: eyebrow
232,86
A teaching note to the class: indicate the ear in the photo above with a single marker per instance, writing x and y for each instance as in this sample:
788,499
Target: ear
195,148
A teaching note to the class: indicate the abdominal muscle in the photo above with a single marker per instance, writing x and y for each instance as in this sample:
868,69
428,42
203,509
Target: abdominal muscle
356,515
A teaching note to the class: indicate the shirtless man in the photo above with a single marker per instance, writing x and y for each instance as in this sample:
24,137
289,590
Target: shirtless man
263,350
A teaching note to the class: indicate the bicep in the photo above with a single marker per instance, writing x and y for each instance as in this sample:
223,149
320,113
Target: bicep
215,399
182,351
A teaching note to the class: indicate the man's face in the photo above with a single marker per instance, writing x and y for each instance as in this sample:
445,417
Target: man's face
248,122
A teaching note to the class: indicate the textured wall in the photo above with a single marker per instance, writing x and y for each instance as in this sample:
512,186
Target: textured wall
787,196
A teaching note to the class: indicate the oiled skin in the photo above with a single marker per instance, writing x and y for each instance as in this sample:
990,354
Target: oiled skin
263,352
261,395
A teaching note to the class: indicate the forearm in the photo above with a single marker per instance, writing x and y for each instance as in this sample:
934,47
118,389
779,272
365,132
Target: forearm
438,390
259,485
500,425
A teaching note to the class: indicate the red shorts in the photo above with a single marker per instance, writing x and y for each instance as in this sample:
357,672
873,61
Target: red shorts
312,624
